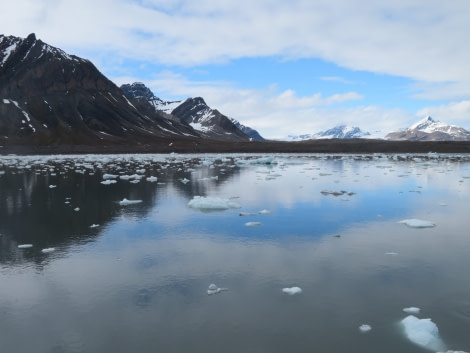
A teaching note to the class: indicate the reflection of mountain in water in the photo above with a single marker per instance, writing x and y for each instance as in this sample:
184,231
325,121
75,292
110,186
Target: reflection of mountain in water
58,201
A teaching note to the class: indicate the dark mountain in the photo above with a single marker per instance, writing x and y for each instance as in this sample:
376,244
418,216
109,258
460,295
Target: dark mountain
429,129
195,112
210,122
248,130
142,93
50,97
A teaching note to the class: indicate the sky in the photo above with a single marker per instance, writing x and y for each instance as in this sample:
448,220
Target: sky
281,67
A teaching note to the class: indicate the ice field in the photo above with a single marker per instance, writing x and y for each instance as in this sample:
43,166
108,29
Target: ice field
235,253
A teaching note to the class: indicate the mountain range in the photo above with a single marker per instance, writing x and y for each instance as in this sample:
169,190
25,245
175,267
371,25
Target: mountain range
339,131
48,97
51,97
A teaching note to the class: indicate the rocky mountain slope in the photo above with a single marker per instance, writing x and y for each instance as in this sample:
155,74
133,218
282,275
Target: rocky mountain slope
195,112
429,129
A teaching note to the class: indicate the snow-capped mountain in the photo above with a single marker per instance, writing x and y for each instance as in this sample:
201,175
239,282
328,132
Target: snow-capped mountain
139,91
429,129
339,131
195,113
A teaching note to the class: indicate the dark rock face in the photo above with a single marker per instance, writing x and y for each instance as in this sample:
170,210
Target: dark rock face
49,97
209,122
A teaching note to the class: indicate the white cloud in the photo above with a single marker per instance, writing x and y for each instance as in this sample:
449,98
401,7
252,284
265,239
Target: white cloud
421,40
451,113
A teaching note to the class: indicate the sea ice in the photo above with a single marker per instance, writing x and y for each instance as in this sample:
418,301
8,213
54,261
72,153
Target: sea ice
412,310
125,202
109,182
47,250
212,203
365,328
152,179
109,176
25,246
417,223
252,224
213,289
422,332
264,212
292,290
94,225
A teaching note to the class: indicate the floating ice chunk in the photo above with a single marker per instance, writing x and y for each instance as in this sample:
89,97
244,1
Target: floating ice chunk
109,182
135,181
422,332
264,212
292,290
152,179
125,202
76,209
212,203
412,310
47,250
213,289
52,186
365,328
417,223
94,225
184,180
253,224
25,246
261,160
109,176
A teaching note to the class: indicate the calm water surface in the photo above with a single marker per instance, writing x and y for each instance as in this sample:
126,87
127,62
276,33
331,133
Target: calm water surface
134,278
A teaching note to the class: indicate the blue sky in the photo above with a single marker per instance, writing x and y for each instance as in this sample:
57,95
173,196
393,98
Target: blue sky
281,67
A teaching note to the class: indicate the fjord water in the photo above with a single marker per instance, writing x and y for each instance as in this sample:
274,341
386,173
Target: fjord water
134,276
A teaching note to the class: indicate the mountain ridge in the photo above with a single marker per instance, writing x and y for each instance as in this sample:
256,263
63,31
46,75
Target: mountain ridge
428,129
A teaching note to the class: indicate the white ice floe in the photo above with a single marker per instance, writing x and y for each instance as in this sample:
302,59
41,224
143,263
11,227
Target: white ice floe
109,182
253,224
25,246
412,310
417,223
213,289
76,209
125,202
152,179
52,186
109,176
365,328
94,225
47,250
264,212
185,181
422,332
212,203
292,290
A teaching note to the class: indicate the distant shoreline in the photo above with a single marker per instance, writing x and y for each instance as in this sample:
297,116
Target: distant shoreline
360,146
